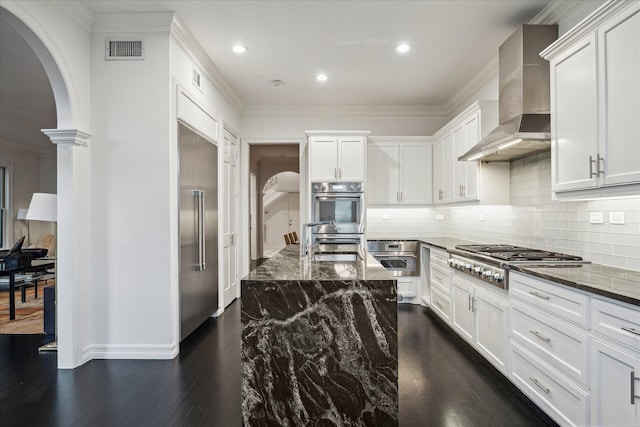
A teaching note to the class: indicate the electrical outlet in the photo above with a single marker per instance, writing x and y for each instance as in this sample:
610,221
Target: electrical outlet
596,218
482,218
439,217
386,216
616,217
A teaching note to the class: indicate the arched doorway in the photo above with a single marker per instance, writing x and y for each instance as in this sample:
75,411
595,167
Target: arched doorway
72,160
280,210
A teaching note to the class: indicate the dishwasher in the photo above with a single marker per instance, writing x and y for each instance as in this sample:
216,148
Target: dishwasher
401,259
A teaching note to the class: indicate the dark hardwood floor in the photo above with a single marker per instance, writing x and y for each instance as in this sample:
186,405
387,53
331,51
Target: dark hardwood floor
442,382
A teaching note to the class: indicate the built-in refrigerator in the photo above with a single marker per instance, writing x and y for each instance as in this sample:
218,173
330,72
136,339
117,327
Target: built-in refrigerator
198,229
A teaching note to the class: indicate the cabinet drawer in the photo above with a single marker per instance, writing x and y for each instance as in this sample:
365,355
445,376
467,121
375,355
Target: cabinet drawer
441,305
561,400
561,301
563,347
439,257
407,287
618,322
441,278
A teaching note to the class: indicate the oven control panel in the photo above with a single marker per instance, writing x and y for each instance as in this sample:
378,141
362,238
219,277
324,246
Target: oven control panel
337,187
485,272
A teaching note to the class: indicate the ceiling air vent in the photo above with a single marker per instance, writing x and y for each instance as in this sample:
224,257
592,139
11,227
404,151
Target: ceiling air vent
123,50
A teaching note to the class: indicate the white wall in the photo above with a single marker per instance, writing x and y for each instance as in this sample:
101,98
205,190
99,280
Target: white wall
285,123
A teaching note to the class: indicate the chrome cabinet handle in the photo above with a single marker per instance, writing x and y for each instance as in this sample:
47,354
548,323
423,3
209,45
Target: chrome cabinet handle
633,331
591,172
470,304
438,305
540,386
401,196
598,171
335,172
438,277
339,172
540,336
634,396
535,294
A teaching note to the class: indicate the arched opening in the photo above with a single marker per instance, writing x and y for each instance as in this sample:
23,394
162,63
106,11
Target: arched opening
70,201
280,211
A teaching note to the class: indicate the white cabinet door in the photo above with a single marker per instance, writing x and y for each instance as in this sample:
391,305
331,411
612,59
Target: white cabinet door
323,158
459,148
447,169
351,158
416,161
471,169
383,172
438,171
619,76
613,385
463,317
492,327
574,117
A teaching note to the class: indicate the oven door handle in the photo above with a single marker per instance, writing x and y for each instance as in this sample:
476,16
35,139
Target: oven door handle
326,197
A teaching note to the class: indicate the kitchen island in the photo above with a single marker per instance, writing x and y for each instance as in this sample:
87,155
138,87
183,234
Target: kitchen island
319,343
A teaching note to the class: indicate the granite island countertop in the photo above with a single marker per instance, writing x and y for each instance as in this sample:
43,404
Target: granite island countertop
319,343
288,265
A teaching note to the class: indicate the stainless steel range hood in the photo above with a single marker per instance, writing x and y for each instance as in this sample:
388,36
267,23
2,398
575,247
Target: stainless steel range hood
524,114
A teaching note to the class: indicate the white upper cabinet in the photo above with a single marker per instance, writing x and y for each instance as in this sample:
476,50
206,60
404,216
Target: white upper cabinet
399,171
337,156
595,104
460,182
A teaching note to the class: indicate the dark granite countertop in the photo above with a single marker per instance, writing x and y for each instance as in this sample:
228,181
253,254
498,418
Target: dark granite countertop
287,265
616,283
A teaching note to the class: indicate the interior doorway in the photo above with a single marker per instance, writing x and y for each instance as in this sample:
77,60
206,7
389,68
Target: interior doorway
277,182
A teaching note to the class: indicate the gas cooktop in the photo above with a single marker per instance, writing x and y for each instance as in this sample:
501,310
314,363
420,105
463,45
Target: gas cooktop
516,253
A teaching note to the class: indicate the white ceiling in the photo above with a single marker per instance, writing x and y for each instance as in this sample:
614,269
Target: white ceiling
351,41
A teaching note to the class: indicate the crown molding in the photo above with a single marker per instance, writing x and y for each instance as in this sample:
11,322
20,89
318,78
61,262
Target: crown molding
155,23
556,11
344,110
190,44
78,11
399,139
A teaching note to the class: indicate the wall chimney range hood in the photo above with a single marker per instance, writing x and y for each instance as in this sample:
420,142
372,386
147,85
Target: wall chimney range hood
524,108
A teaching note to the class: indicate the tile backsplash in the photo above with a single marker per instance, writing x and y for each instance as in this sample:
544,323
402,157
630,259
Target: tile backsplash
532,220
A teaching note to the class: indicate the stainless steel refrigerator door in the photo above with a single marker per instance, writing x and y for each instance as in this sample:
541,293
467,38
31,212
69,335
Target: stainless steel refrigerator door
198,230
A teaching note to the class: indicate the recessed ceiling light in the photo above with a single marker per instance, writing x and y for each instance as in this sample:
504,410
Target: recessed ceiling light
238,48
403,47
321,77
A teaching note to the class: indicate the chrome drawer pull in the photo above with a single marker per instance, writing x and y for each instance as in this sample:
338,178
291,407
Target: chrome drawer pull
540,336
633,387
439,305
438,278
535,294
540,386
633,331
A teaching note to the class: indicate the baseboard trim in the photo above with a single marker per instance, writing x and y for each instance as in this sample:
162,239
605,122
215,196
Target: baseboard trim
108,351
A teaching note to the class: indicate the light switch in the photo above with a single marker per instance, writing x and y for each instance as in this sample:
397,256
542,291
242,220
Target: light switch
596,218
616,217
439,217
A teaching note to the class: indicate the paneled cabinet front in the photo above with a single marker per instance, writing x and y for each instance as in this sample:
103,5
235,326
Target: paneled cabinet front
399,172
334,158
595,104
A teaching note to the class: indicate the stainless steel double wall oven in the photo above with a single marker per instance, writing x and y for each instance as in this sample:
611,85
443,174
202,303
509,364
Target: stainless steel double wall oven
342,205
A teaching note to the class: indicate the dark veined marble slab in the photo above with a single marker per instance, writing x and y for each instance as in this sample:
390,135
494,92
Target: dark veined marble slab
319,349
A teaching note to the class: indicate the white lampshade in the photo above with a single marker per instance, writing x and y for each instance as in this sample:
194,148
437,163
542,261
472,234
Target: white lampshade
22,213
43,207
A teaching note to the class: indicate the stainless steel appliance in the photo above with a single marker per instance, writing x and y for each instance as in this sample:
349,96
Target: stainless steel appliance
490,262
198,229
523,99
399,257
340,209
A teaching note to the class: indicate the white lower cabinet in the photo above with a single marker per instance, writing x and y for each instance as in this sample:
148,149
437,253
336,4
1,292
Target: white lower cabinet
615,364
562,400
441,305
408,290
480,316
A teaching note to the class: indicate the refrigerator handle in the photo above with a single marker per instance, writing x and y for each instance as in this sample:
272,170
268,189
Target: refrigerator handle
200,232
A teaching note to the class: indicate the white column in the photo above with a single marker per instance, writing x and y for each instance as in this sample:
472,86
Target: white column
73,280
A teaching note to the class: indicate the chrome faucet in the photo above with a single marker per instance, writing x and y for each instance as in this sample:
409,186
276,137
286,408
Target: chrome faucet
305,227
